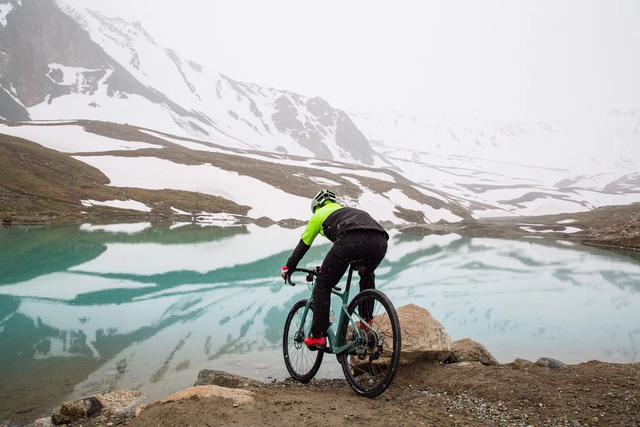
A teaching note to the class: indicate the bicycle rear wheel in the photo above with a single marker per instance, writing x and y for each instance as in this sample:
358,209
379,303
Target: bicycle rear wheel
371,370
302,363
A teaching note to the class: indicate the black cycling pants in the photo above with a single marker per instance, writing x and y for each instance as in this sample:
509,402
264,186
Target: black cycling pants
366,249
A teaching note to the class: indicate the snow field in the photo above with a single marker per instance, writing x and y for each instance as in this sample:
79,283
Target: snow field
72,139
157,174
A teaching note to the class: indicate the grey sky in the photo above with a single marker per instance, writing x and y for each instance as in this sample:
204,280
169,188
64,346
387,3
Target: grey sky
502,59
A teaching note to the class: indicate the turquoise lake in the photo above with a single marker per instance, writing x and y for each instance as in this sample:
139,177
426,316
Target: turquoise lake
85,309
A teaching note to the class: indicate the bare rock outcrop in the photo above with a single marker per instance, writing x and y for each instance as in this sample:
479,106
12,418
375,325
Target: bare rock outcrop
236,395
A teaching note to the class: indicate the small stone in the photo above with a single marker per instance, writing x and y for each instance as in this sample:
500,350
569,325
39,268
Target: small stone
77,409
522,364
43,422
59,419
548,362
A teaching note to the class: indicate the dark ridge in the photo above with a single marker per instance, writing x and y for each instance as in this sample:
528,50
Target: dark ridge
10,109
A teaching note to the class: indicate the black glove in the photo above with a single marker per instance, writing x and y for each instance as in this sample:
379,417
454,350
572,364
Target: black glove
285,273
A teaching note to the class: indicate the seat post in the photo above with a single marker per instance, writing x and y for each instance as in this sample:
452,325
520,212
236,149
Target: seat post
349,279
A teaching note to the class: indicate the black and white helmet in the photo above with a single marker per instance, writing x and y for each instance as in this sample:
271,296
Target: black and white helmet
321,198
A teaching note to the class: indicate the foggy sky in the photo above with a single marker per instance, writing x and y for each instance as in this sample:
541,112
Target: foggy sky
500,59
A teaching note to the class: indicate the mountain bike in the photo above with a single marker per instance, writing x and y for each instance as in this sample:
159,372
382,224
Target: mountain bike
366,340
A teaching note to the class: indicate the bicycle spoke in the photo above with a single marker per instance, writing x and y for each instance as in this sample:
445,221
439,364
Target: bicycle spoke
301,362
378,354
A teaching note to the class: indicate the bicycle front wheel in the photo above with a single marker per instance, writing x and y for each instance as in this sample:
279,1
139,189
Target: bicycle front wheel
377,343
302,363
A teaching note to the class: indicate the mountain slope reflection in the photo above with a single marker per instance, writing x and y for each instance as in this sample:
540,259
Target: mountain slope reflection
153,308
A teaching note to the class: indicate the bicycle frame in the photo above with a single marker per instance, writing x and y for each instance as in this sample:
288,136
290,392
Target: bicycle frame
335,344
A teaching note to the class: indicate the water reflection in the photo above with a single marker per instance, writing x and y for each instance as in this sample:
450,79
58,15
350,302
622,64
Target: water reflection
149,309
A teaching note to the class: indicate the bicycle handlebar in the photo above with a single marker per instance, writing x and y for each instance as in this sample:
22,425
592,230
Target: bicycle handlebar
301,270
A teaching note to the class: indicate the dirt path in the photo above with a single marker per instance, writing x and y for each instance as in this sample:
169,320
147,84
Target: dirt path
591,393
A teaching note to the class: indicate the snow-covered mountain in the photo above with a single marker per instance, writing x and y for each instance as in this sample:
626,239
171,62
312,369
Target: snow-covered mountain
103,92
60,60
519,168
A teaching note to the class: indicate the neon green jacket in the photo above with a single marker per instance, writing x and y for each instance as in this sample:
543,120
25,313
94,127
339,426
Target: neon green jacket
315,223
332,221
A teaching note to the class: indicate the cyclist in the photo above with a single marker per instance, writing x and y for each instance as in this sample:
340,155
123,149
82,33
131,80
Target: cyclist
356,238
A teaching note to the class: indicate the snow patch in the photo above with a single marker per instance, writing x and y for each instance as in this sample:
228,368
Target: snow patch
324,181
400,199
567,221
568,230
378,206
71,76
179,212
5,10
119,204
72,139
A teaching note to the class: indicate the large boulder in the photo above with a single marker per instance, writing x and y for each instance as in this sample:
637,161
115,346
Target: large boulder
236,395
468,350
223,379
423,337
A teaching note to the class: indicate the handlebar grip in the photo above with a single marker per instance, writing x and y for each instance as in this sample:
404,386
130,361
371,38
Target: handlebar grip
289,282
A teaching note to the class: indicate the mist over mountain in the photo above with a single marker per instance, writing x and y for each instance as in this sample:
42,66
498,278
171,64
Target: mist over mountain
103,91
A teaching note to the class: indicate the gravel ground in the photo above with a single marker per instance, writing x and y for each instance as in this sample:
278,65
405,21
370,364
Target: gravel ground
518,394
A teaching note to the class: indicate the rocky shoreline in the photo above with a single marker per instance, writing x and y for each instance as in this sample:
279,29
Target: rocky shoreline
439,382
612,227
